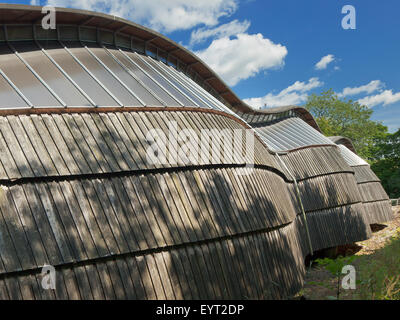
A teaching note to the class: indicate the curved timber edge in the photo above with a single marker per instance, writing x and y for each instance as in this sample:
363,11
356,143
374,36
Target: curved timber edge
375,199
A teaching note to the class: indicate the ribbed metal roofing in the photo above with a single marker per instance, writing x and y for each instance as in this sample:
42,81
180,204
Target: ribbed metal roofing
72,74
351,158
290,133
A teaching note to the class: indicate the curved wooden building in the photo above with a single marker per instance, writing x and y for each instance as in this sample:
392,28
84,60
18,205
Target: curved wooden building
376,201
327,187
79,193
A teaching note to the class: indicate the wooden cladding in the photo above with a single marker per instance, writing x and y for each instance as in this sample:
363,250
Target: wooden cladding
50,145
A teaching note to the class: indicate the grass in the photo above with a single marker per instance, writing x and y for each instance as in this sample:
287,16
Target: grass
377,275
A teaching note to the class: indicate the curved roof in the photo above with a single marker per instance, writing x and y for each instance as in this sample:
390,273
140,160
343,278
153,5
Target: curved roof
151,42
345,141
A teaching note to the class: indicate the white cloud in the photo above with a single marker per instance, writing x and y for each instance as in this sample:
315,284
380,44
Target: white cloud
223,31
368,88
243,56
292,95
161,15
323,63
386,97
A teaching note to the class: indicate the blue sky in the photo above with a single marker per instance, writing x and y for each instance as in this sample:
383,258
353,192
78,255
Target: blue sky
268,51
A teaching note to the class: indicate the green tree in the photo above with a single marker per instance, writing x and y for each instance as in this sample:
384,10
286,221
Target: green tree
342,117
386,162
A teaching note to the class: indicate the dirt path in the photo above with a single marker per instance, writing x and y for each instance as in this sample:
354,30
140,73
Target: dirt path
321,285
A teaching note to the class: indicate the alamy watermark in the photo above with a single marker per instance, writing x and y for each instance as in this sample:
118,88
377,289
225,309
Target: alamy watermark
208,146
49,20
349,20
349,280
48,277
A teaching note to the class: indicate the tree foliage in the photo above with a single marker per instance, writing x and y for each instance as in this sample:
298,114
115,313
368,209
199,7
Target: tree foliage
342,117
386,162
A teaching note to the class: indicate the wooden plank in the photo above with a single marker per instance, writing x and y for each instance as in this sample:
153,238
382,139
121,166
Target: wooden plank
54,221
244,258
32,157
62,147
73,146
196,212
146,278
145,211
136,278
140,118
187,146
157,281
36,287
216,256
118,141
191,222
83,283
29,225
203,207
15,149
155,120
128,137
269,290
16,233
82,143
219,206
97,133
215,284
237,271
126,278
161,211
13,288
3,291
71,284
173,203
136,136
8,162
61,288
42,223
219,224
76,245
233,278
197,272
104,225
121,213
225,192
184,274
174,275
164,273
25,287
142,237
51,147
239,195
90,137
111,215
106,281
82,219
110,143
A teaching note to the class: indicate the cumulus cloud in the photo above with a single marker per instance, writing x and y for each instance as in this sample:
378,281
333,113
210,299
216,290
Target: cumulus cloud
385,98
161,15
223,31
292,95
323,63
243,56
368,88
